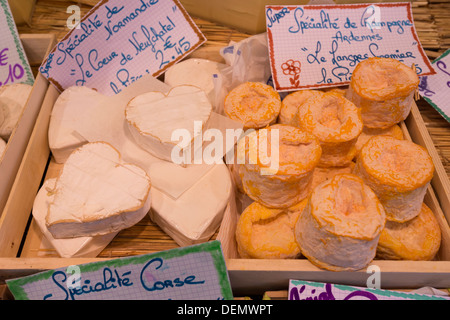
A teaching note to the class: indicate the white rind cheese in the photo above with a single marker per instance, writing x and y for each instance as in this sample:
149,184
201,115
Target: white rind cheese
13,99
196,215
153,118
196,72
67,116
96,193
81,247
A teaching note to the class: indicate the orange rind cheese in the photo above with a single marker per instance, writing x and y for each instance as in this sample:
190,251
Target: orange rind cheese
395,131
383,89
336,122
340,226
264,233
283,178
399,172
322,174
292,103
416,239
254,104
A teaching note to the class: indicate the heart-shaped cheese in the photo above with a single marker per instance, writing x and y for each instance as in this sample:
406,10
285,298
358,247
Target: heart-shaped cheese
68,116
13,99
97,193
80,247
154,117
195,215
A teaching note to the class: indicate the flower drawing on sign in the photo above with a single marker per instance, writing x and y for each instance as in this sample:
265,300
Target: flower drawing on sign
292,68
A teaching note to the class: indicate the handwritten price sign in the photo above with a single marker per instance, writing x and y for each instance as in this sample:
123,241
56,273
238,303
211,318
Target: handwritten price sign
118,42
195,272
435,89
319,45
14,67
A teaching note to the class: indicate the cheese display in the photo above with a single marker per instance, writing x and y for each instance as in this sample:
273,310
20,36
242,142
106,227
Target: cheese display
264,233
96,193
196,72
281,177
197,213
13,98
254,104
66,248
336,122
416,239
383,88
395,131
292,103
340,226
153,117
399,172
68,115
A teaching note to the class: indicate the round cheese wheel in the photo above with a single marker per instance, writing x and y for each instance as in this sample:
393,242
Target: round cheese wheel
254,104
264,233
336,122
282,179
399,172
340,225
13,99
416,239
395,131
292,103
384,90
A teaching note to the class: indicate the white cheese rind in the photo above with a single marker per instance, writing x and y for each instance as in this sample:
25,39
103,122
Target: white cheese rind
196,72
13,99
81,247
68,115
154,117
96,193
196,215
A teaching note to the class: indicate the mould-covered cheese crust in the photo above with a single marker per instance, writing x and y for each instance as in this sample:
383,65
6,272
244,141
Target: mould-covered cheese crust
292,103
281,180
399,172
416,239
336,122
254,104
341,223
384,91
265,233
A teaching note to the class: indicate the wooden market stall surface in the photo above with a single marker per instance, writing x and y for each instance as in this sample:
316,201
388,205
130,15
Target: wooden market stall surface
431,20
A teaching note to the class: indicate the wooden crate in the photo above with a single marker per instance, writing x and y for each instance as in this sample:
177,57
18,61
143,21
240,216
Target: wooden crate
23,250
36,48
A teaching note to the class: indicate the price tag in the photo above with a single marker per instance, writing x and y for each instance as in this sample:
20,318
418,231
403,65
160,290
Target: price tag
435,89
14,66
118,42
196,272
316,46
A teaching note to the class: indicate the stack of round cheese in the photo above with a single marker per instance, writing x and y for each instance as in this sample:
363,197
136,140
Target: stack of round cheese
366,196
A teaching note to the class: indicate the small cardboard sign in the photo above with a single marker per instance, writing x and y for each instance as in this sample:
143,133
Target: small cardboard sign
196,272
14,66
307,290
435,89
316,46
118,42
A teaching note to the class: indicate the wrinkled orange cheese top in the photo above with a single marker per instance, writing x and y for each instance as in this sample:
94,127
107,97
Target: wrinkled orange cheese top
254,104
398,163
346,207
382,79
331,118
292,103
298,151
268,233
